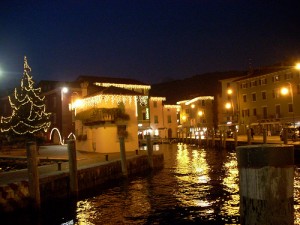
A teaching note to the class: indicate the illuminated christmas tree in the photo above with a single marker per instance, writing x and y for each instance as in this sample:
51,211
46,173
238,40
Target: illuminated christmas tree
29,116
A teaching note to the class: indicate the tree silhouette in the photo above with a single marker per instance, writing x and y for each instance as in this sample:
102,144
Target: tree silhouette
29,115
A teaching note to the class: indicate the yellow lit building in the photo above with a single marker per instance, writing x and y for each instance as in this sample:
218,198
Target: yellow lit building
260,102
196,116
163,118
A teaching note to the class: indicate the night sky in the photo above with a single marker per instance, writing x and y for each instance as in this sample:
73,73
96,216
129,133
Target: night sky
151,41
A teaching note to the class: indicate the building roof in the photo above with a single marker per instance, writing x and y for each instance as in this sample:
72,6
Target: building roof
111,90
113,80
263,71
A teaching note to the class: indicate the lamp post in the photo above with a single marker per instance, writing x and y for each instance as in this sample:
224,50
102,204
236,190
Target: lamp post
286,91
229,105
63,91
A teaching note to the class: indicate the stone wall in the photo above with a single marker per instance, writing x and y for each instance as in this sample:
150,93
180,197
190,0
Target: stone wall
15,195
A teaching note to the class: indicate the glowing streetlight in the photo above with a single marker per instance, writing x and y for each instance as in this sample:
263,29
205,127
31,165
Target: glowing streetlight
286,91
200,113
64,90
228,105
297,66
229,91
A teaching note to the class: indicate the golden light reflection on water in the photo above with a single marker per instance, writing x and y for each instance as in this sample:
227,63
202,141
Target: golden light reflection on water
230,182
196,174
297,196
134,203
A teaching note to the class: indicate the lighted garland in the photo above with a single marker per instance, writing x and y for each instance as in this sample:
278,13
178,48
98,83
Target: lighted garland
126,86
104,99
28,108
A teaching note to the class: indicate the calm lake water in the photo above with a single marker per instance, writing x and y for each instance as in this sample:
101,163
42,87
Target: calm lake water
196,186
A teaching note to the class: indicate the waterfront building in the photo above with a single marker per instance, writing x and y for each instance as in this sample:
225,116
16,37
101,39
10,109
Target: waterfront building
228,107
163,118
196,117
261,102
103,115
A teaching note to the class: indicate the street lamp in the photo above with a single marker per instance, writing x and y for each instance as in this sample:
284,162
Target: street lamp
229,105
64,90
286,91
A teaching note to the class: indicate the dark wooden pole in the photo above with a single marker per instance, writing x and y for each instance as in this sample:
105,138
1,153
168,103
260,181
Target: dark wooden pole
33,174
249,136
73,168
150,152
266,184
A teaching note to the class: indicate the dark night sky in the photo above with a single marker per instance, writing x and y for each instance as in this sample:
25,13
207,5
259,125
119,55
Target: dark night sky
145,40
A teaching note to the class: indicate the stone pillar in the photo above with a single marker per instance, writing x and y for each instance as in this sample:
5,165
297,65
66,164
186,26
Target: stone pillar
123,156
73,168
266,184
150,152
33,174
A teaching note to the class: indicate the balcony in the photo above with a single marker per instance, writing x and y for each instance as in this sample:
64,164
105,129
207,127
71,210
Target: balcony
101,116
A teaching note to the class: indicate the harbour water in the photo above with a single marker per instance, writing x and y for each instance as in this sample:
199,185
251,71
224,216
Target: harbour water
196,186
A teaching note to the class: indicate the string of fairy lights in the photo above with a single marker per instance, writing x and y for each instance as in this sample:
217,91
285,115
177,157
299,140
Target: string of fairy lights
37,118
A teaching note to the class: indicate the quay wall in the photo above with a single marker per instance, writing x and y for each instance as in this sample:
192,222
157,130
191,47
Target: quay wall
14,196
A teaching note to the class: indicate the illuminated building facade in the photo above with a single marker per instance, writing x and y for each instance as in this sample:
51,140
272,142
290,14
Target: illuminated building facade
196,117
163,118
259,100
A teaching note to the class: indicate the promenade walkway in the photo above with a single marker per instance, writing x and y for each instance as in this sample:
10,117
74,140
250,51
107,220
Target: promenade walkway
57,153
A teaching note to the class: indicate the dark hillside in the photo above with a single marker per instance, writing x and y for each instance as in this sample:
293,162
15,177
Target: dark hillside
199,85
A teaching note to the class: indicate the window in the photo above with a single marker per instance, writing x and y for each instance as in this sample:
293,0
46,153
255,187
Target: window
263,81
290,105
244,98
254,112
244,85
155,104
203,102
298,88
276,78
254,97
169,119
288,76
254,83
187,111
245,113
155,119
265,112
264,95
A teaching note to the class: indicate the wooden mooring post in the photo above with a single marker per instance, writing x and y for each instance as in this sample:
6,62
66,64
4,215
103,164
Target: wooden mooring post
266,184
150,152
73,168
33,174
